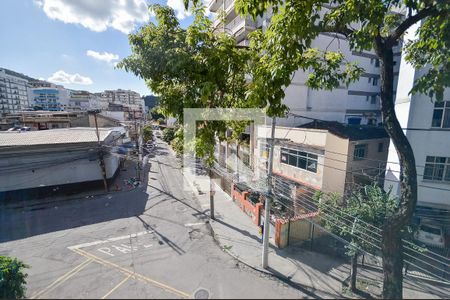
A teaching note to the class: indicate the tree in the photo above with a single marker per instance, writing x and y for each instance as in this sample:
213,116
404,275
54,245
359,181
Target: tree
12,278
190,68
155,113
369,205
168,134
147,133
285,47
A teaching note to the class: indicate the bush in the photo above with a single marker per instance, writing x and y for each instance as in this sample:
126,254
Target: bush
178,142
168,134
147,133
12,278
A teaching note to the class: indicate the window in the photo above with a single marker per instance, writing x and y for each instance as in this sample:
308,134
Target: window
377,63
373,99
360,151
370,79
380,147
437,168
441,115
299,159
375,81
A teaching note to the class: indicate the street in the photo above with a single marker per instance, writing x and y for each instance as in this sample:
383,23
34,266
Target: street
150,242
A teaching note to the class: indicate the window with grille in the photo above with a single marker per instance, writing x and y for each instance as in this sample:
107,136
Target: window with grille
437,168
299,159
441,115
360,151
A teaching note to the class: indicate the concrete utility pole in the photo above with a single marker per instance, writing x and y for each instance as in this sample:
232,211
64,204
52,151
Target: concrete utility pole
265,254
138,143
100,150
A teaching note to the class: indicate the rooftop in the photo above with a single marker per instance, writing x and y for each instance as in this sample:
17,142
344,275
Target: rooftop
351,132
54,136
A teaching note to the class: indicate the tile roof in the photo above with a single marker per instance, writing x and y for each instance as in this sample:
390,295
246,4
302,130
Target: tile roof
53,136
351,132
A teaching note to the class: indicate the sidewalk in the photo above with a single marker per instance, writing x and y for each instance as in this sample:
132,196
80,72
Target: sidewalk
317,275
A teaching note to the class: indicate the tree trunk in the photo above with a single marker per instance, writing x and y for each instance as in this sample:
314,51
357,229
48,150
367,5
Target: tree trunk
394,223
392,251
353,272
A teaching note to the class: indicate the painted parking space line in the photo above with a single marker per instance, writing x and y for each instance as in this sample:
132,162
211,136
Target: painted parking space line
131,273
114,239
62,279
117,286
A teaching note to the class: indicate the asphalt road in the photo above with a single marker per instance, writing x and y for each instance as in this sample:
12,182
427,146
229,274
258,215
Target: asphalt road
151,242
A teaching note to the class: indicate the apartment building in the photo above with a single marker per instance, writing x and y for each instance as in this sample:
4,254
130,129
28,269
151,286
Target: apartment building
48,96
13,91
83,100
358,103
426,124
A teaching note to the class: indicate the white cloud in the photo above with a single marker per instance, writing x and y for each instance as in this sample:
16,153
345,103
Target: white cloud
97,15
104,56
178,6
63,77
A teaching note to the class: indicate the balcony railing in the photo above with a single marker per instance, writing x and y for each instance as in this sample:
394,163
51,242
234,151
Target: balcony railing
239,23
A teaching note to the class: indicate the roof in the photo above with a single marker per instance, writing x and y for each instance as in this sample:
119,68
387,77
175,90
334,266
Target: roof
351,132
53,136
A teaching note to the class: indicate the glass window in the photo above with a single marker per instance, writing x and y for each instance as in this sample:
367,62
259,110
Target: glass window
373,99
299,159
441,115
380,147
375,81
360,151
437,168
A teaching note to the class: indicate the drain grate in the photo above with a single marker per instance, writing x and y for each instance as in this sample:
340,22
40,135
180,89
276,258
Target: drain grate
201,294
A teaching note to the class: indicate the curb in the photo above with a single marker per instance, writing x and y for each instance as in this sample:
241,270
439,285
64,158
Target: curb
282,278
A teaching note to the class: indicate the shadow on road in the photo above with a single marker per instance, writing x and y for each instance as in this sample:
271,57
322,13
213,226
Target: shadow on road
62,215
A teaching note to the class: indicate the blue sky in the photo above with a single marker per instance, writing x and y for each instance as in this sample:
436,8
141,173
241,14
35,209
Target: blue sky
51,40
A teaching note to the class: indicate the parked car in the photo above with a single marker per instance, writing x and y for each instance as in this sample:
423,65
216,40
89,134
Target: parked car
431,235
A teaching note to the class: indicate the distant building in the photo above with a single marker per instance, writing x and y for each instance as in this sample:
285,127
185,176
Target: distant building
13,91
48,96
37,163
83,100
43,120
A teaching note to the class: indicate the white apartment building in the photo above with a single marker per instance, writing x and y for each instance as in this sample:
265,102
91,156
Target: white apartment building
44,95
84,100
426,124
13,91
358,103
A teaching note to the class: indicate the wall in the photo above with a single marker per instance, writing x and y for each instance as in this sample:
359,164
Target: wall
71,171
334,162
118,115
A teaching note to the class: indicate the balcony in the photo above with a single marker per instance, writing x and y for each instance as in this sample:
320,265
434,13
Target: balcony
216,5
240,27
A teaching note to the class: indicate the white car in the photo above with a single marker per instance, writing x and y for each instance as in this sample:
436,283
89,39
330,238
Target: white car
431,235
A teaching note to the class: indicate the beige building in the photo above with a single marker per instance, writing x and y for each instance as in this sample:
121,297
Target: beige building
325,156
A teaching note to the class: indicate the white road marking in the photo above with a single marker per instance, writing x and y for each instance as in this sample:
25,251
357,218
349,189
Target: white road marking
99,242
105,250
194,224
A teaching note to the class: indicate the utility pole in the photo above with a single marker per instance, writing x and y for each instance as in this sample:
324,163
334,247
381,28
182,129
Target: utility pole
237,161
136,129
265,254
100,150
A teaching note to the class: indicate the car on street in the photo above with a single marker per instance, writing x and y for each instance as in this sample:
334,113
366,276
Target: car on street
431,235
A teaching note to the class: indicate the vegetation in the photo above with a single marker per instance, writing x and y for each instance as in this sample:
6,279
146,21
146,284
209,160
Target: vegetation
197,68
286,46
12,278
191,68
168,134
147,133
155,113
370,205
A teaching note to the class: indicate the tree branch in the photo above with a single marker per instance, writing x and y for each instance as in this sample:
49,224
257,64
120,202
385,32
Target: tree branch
408,22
